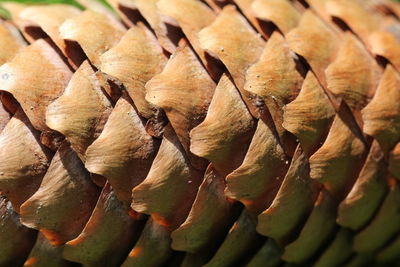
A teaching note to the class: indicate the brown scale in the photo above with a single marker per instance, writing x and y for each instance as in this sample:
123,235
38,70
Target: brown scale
209,218
153,247
81,111
37,82
256,181
62,204
133,11
317,107
94,33
184,91
386,43
309,115
232,40
292,203
192,16
281,12
16,239
276,79
367,193
46,254
11,42
382,115
125,67
38,21
337,162
110,229
224,135
24,160
318,228
123,152
170,187
240,241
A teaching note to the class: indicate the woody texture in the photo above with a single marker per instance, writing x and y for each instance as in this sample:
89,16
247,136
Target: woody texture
192,133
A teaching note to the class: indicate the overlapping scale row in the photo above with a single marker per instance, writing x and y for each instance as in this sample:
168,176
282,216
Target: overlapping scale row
200,133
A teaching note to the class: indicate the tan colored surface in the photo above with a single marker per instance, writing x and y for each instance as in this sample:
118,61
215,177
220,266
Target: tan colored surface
208,132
